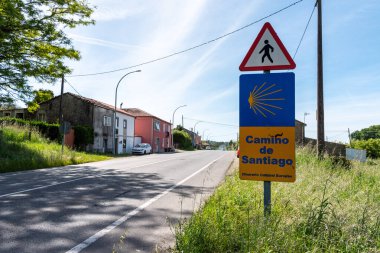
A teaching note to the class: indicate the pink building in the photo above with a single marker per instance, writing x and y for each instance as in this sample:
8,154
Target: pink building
152,130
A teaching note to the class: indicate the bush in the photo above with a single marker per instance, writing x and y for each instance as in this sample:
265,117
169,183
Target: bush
372,146
50,131
183,139
84,135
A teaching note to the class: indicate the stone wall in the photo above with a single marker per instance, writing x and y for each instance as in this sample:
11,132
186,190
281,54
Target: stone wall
334,149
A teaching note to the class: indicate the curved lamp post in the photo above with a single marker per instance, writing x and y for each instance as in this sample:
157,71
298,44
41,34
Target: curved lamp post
173,124
203,135
194,131
114,111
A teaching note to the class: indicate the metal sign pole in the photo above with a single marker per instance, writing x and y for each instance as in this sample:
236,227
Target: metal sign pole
267,198
267,187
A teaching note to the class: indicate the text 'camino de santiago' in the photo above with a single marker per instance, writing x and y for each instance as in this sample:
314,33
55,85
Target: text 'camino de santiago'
267,152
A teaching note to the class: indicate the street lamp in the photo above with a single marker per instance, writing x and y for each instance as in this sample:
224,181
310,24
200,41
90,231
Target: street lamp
304,116
173,123
114,111
203,135
194,131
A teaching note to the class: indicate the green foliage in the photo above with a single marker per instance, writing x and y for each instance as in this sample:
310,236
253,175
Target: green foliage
19,152
183,139
232,145
50,131
179,128
40,96
84,135
325,210
372,132
34,44
372,146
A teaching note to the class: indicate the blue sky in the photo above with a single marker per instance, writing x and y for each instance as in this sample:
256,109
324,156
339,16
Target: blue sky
206,79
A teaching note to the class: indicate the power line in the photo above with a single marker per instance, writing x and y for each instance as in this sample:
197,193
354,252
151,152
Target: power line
72,87
307,26
194,47
210,122
222,135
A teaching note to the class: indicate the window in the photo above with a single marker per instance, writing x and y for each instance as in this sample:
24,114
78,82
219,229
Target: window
125,124
117,122
156,125
124,143
41,117
7,114
107,121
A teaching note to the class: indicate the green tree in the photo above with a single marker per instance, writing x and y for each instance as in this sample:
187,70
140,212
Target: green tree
183,139
33,42
372,132
40,96
372,146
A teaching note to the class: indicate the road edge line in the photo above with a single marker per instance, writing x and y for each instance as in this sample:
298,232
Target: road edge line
78,248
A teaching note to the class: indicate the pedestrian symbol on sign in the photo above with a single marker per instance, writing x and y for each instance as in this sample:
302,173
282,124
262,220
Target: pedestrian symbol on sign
266,49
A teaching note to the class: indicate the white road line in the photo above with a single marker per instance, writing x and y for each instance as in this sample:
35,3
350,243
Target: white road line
69,181
116,223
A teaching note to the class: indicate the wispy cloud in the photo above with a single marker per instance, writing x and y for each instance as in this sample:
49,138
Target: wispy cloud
103,43
107,10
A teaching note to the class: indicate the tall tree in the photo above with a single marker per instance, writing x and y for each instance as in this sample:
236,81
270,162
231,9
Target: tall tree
40,96
33,43
372,132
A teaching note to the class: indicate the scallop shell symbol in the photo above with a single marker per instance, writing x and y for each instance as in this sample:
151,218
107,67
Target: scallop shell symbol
260,99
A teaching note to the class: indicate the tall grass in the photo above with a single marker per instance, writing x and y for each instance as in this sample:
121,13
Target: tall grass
22,148
332,207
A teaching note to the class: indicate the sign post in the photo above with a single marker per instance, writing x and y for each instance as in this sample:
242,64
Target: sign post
267,114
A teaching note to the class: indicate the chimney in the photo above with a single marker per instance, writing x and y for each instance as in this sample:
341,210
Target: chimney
121,105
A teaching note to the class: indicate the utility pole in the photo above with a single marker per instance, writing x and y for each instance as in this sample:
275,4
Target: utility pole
60,116
62,125
349,137
320,107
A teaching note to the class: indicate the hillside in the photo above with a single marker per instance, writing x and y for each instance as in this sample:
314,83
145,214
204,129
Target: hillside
18,152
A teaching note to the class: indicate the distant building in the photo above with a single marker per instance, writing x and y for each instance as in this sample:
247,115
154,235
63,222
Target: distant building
82,111
196,139
152,130
20,113
300,131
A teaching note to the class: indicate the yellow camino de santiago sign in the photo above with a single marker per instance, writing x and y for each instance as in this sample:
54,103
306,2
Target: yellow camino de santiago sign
269,154
267,127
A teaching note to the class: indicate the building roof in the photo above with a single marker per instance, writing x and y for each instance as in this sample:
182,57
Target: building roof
94,102
136,112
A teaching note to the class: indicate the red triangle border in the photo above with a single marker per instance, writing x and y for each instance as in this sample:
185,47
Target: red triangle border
267,26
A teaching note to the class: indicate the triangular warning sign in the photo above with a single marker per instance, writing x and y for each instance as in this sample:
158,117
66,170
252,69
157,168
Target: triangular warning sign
267,53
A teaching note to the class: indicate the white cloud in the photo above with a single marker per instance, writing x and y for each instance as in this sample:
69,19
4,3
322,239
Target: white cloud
103,43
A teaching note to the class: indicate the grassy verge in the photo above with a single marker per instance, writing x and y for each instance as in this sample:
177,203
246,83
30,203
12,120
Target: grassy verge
330,208
18,152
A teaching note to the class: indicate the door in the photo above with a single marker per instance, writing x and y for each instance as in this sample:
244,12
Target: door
157,145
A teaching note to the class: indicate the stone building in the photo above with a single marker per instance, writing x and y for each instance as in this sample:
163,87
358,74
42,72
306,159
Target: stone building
78,110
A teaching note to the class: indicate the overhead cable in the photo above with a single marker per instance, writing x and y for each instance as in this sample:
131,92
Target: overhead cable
210,122
307,26
191,48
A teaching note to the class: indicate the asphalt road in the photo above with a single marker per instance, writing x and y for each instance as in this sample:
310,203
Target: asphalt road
128,204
